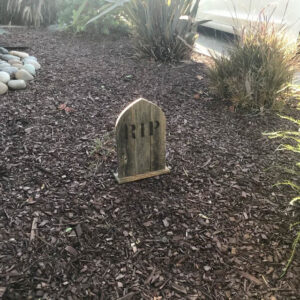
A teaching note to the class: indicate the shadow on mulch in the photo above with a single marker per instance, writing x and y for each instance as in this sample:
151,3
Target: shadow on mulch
215,228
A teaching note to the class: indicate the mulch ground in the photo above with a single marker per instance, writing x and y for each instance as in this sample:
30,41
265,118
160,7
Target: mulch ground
215,228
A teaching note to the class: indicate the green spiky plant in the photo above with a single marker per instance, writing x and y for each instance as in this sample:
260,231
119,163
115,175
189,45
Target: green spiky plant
162,29
257,73
294,148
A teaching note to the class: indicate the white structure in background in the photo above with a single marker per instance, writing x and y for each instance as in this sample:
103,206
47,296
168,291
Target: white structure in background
225,15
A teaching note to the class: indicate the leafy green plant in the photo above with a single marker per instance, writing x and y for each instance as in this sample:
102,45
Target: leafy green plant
258,71
106,8
75,14
103,147
293,147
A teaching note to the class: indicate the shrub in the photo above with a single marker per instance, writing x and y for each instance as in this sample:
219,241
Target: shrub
74,14
258,70
159,31
162,29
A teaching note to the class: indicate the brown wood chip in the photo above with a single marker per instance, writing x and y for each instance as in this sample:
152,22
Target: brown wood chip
78,230
179,288
2,291
71,250
127,297
33,229
251,277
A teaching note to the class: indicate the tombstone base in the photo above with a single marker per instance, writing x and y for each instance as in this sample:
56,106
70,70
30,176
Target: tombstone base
140,176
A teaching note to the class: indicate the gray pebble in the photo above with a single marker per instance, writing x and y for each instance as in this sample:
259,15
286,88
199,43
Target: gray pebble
30,68
4,77
3,88
23,74
8,57
3,50
10,70
17,84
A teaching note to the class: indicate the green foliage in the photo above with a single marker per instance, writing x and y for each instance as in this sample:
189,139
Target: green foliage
294,247
258,70
293,137
74,15
162,29
29,12
105,9
159,29
103,147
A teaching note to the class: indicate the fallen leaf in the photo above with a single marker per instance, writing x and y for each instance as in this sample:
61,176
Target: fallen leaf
65,108
62,106
69,109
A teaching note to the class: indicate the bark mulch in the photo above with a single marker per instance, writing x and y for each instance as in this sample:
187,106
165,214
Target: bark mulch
215,228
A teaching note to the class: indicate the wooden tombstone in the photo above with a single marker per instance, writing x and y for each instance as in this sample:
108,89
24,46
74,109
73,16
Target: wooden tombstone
141,142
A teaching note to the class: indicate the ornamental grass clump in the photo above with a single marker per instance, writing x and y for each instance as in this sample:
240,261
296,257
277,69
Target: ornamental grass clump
258,71
28,12
163,29
292,145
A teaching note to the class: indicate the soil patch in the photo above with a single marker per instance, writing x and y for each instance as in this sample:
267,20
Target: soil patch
215,228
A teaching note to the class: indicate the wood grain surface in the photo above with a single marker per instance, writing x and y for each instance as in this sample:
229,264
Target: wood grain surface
141,140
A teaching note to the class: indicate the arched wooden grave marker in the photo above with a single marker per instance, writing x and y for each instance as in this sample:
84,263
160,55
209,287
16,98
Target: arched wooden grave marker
141,142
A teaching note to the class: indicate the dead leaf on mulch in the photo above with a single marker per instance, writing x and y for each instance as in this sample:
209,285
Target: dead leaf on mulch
65,108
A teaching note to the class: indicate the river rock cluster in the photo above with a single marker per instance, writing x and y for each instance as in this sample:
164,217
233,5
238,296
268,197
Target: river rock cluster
16,69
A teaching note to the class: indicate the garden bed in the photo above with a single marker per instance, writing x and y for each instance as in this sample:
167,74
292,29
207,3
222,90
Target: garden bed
215,228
